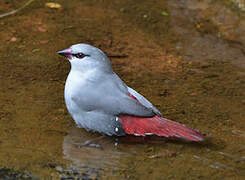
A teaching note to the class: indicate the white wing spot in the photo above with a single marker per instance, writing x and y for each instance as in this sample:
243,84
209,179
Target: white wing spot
116,129
116,118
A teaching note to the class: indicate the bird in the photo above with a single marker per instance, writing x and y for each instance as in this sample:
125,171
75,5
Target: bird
99,101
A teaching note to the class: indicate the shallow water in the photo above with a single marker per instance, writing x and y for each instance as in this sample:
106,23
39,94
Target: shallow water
189,62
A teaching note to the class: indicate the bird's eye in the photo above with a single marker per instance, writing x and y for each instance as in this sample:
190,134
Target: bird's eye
79,55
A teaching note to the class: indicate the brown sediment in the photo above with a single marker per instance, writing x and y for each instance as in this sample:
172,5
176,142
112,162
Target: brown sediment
190,64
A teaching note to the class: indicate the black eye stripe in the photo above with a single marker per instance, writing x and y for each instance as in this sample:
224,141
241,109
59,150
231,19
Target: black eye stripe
80,55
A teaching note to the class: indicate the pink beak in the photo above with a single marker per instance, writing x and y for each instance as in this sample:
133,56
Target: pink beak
66,53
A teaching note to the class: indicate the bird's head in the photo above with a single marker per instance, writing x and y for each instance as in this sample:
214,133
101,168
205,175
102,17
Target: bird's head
86,57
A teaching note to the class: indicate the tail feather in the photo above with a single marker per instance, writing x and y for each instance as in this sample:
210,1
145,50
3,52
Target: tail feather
159,126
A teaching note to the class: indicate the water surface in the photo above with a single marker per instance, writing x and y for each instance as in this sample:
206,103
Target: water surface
186,57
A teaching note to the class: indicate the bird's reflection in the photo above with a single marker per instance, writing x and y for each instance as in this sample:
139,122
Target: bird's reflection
107,154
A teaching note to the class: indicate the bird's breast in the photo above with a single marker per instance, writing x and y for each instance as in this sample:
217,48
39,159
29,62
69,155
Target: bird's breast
79,90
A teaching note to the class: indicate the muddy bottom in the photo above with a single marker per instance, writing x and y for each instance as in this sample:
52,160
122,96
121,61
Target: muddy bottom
187,57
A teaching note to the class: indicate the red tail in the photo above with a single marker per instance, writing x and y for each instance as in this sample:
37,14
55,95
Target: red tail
159,126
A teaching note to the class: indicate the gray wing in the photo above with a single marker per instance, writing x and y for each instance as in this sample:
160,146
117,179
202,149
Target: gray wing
110,95
143,101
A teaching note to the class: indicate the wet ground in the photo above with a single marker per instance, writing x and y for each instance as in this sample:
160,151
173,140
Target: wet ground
187,57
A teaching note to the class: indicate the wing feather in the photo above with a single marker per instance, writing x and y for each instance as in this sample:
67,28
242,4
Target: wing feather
144,101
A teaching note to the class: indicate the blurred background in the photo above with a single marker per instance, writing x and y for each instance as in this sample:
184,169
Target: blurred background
186,56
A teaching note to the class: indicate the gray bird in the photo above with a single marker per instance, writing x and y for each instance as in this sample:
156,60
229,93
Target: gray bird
98,100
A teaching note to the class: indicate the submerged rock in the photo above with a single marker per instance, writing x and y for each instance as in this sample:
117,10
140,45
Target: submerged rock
9,173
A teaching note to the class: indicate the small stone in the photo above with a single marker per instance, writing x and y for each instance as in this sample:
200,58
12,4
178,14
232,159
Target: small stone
44,41
59,168
53,5
13,39
42,28
35,50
